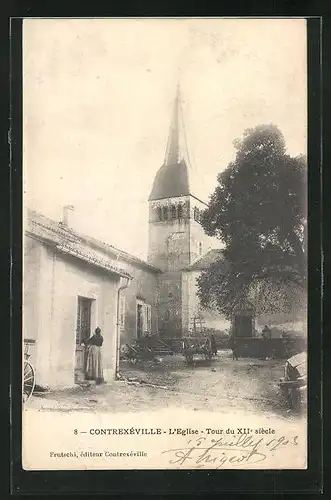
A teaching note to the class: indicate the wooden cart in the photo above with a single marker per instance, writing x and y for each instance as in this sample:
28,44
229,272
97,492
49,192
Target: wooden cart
197,347
145,349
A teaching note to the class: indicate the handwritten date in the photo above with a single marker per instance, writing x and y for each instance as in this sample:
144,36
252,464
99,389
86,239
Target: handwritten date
240,450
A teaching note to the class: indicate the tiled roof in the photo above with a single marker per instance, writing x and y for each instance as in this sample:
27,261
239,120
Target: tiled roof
92,259
206,260
94,242
79,245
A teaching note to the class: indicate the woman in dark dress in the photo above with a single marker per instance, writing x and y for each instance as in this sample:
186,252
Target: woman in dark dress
234,347
94,368
213,344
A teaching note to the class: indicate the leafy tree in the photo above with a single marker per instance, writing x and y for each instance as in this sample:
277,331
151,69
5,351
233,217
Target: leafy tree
258,210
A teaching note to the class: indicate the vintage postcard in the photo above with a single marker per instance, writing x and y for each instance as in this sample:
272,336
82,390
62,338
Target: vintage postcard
164,268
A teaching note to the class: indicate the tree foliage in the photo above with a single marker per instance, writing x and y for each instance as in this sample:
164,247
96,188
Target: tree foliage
258,210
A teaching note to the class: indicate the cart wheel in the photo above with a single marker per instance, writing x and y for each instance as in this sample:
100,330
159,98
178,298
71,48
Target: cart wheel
189,360
28,381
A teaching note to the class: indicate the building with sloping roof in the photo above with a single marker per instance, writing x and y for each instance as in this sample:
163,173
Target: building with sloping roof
205,261
193,315
74,283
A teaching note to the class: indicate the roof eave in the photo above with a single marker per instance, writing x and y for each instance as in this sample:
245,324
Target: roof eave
65,249
152,198
93,242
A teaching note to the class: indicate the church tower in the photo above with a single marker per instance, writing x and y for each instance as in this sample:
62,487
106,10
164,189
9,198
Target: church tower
176,238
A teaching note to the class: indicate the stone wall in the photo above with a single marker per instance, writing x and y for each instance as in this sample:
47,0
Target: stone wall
200,242
176,242
170,304
168,240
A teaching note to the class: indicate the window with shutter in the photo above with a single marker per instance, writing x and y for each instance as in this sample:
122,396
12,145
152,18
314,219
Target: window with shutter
173,211
165,213
144,318
149,317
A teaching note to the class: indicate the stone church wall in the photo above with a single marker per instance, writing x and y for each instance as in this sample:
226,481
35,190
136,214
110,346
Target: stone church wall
200,242
170,304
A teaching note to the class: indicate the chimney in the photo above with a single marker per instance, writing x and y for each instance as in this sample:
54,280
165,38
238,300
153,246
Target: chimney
68,215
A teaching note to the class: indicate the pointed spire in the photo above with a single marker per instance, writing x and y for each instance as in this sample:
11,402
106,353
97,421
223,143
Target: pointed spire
172,179
176,150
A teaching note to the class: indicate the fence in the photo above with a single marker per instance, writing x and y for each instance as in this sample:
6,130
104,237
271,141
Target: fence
251,347
263,348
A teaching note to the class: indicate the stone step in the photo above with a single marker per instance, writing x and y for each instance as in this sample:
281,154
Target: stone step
163,352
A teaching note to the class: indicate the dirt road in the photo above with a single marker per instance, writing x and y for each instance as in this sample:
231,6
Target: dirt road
221,385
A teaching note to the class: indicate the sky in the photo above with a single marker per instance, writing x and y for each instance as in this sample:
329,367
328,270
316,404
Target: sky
97,105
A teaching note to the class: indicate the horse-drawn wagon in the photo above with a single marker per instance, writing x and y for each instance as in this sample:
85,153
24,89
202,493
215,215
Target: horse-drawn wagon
197,346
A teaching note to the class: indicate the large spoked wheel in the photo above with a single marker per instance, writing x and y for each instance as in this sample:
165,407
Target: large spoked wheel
28,381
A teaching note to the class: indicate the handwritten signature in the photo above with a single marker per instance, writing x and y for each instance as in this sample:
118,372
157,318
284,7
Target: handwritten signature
241,450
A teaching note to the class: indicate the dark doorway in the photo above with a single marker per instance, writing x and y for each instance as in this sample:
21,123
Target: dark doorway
243,326
83,332
139,320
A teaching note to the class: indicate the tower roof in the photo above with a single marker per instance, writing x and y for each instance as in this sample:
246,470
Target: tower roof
172,179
